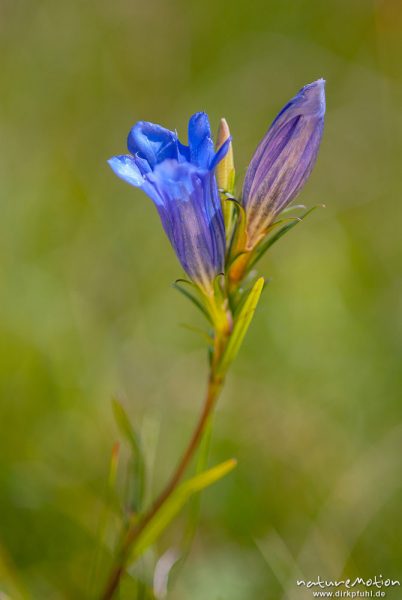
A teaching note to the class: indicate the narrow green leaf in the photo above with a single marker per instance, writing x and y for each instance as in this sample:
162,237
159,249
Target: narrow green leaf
194,508
191,297
114,463
195,505
270,241
136,467
242,296
108,511
289,209
276,224
240,326
204,335
125,427
176,502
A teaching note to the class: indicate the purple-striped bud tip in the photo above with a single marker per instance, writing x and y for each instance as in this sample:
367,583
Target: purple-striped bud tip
284,159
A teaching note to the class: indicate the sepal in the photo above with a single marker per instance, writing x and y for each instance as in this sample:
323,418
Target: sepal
184,286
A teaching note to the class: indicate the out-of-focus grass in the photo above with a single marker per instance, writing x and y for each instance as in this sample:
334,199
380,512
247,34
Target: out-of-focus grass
312,408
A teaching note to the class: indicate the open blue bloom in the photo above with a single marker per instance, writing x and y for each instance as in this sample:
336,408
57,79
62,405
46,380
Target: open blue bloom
284,159
180,181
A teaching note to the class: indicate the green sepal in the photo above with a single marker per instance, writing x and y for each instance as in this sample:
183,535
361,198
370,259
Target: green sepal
227,200
240,326
270,241
136,467
228,195
219,288
175,503
196,301
239,238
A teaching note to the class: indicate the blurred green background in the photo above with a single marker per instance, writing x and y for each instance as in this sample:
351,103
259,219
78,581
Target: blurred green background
312,406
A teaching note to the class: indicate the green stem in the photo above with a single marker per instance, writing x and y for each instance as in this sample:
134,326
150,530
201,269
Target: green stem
213,389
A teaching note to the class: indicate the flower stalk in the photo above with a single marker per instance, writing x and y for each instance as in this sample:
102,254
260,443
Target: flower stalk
218,239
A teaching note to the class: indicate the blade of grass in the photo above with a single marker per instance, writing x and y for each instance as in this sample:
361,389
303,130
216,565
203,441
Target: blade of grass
137,466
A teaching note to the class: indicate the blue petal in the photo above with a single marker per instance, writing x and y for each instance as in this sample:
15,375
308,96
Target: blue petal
284,159
142,164
184,152
180,181
125,167
200,140
223,150
152,142
191,215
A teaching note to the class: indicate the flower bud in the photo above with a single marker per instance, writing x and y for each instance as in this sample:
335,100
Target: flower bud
225,171
225,176
284,159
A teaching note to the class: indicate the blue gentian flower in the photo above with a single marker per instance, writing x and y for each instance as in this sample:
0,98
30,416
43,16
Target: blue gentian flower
180,181
284,159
